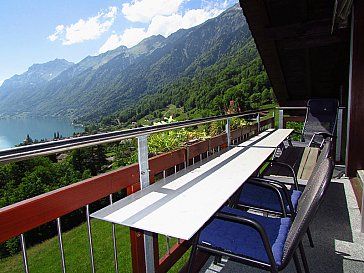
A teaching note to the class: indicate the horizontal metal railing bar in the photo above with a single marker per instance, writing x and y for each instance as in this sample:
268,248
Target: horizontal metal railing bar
57,146
292,108
298,107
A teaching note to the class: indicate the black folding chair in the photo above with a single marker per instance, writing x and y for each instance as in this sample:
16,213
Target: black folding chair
319,125
320,122
263,242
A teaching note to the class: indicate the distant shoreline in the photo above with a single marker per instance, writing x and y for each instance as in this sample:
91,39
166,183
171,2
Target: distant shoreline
28,115
14,130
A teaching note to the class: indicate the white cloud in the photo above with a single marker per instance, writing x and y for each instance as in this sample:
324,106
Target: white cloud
55,35
146,10
164,21
129,38
113,42
198,16
84,30
166,25
217,4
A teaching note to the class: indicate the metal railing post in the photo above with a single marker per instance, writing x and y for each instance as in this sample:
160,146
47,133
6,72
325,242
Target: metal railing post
280,118
90,238
228,132
274,119
167,237
114,241
339,134
59,230
144,182
24,253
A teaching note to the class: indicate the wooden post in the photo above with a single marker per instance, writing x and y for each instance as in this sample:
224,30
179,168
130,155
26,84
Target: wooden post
355,147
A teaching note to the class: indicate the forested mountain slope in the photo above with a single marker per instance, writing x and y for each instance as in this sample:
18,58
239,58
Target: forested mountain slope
238,76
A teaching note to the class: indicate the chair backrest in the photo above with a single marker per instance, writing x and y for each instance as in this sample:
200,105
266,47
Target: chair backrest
321,116
307,209
325,153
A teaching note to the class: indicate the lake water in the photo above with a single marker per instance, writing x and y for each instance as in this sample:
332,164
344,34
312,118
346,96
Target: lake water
14,131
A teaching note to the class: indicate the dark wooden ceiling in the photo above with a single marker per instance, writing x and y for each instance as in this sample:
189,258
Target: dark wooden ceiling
302,56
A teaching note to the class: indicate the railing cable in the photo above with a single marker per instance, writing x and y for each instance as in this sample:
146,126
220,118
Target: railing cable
59,230
114,242
90,238
24,253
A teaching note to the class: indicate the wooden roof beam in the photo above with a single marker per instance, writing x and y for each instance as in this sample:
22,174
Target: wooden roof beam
299,29
311,41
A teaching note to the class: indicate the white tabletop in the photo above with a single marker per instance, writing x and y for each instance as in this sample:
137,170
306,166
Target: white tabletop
181,204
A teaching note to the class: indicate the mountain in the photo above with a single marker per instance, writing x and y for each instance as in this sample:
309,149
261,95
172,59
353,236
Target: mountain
15,91
101,85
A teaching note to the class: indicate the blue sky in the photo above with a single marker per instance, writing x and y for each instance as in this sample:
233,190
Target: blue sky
43,30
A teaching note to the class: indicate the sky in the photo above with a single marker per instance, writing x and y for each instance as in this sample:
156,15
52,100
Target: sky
33,32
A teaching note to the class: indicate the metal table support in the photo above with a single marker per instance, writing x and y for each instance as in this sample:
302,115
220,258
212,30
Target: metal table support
228,132
144,182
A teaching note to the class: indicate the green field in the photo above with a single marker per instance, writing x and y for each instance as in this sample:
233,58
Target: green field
45,257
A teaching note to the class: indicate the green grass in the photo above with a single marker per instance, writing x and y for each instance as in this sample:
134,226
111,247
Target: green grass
45,257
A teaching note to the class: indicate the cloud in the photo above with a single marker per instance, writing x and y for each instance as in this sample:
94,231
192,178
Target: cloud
167,22
146,10
129,38
57,33
84,30
166,25
113,42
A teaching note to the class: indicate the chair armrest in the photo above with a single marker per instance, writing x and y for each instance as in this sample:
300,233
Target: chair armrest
255,225
325,135
278,185
287,166
266,183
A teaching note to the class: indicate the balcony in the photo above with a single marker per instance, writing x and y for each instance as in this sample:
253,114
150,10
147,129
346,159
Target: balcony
336,229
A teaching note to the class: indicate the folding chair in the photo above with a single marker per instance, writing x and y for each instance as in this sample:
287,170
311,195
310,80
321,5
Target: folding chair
319,125
320,122
289,175
263,242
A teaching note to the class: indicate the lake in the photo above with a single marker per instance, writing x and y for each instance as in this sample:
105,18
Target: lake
14,131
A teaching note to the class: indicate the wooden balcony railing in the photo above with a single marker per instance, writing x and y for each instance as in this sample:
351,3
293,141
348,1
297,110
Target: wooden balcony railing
21,217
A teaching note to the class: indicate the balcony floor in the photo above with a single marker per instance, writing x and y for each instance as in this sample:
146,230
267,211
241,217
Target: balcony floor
339,244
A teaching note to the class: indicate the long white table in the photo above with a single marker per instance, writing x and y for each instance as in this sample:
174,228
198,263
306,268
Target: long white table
179,205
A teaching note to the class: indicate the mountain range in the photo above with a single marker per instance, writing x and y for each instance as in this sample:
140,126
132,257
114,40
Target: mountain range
111,82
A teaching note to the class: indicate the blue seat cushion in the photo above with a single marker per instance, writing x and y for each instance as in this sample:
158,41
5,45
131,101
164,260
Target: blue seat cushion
244,240
256,196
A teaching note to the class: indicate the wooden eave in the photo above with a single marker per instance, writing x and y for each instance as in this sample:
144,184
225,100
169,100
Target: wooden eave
302,57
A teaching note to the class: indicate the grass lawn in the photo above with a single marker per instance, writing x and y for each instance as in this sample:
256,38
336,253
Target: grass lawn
45,257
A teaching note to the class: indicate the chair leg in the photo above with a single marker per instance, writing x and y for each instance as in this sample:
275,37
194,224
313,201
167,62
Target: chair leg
297,263
217,259
303,256
310,237
193,253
